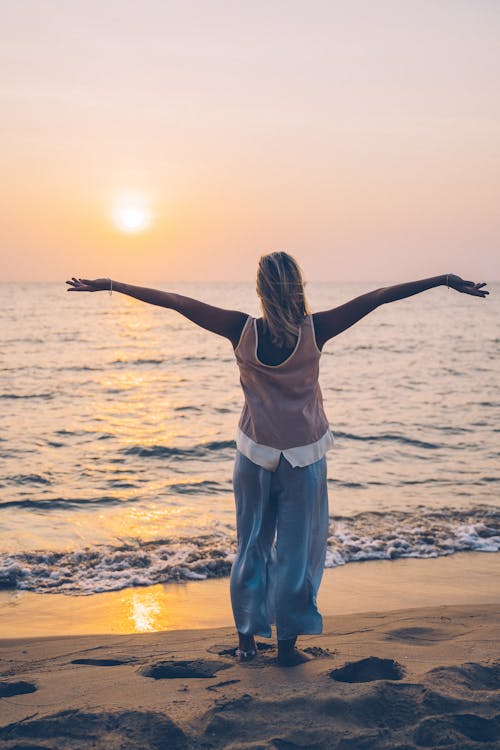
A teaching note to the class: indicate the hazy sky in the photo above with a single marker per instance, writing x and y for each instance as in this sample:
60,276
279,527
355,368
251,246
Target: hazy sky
363,137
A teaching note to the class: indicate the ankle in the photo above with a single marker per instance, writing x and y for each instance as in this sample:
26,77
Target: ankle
289,655
286,645
246,640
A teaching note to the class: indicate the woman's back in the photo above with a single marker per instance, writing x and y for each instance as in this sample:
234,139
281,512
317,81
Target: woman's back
283,407
267,351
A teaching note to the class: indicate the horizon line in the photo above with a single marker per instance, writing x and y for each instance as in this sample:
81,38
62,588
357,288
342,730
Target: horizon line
229,281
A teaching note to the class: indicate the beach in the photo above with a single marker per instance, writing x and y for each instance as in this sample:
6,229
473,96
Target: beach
249,339
426,675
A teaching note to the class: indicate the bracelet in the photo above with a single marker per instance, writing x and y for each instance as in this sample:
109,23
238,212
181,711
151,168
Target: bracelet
448,280
110,287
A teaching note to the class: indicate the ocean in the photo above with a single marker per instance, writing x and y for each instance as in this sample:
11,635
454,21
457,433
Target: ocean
118,422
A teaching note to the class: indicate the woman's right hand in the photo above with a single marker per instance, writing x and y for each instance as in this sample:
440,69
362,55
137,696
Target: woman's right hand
88,285
466,287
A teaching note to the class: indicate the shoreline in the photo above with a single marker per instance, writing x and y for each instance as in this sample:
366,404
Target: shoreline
376,586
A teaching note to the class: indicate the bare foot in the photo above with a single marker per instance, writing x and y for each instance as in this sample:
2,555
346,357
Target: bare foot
289,655
247,649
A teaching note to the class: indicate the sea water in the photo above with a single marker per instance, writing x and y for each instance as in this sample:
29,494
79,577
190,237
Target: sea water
118,421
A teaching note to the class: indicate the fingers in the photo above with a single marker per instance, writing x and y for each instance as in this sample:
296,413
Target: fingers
475,292
473,288
480,292
79,285
479,289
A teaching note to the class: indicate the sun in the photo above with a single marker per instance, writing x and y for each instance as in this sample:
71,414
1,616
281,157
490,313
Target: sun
132,214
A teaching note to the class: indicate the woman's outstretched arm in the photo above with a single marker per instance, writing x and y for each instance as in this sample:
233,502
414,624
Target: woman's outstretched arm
227,323
329,323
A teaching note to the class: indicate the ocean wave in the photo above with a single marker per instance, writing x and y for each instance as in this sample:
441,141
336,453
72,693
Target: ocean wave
421,533
200,487
13,396
389,437
58,503
100,569
91,435
28,479
138,361
203,486
78,368
380,535
165,451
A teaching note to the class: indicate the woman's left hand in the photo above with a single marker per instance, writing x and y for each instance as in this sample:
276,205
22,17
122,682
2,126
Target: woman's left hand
88,285
466,287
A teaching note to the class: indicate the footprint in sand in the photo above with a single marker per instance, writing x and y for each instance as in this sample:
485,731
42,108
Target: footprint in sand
101,662
471,675
421,635
134,730
368,670
8,689
167,670
436,731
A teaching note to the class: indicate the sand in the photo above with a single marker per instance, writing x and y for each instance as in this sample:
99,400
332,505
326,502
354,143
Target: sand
408,659
411,678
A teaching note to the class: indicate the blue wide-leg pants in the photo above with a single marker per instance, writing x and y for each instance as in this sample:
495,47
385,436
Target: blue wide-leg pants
282,531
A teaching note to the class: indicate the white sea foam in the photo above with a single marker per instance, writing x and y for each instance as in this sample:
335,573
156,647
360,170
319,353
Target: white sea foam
368,536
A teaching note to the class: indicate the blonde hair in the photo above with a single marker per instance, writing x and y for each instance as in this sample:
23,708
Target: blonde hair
280,287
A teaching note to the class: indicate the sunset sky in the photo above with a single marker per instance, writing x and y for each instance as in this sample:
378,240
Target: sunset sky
153,140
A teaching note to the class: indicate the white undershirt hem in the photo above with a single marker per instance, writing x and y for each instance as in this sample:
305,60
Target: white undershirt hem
269,458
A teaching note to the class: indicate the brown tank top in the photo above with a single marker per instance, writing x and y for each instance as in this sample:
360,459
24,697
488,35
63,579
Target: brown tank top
283,403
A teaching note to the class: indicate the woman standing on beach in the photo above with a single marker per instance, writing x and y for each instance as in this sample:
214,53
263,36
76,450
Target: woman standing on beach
283,435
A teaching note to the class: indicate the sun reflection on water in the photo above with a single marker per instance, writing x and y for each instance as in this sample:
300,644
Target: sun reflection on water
145,610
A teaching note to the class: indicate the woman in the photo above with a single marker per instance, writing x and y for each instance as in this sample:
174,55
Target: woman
283,436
